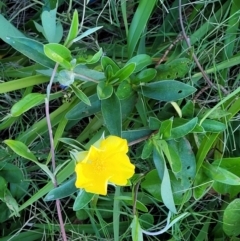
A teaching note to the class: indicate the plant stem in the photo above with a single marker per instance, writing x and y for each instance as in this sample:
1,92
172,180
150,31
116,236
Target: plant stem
58,203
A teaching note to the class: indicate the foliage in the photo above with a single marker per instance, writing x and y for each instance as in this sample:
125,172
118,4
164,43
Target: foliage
72,72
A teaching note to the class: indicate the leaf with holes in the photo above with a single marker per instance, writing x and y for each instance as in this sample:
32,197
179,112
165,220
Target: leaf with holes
177,68
167,90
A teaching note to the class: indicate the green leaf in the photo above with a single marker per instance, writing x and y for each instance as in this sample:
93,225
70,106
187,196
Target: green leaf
51,32
139,23
137,234
166,128
86,33
154,123
21,149
11,173
129,201
123,73
147,149
167,90
32,49
64,190
213,126
188,109
106,61
233,166
26,103
184,129
132,135
65,77
83,198
8,30
166,191
177,68
231,218
73,143
141,61
145,75
3,187
96,57
73,31
112,115
80,94
124,90
104,90
59,53
11,203
220,174
82,110
171,155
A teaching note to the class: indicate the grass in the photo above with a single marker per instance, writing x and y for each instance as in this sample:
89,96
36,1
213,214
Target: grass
183,142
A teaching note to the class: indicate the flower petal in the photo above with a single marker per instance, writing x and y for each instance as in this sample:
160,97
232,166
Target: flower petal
113,144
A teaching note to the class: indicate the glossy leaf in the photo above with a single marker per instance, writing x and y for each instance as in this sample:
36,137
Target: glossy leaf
231,218
167,90
26,103
80,94
32,49
83,198
73,31
141,61
104,90
145,75
124,90
62,191
112,115
58,53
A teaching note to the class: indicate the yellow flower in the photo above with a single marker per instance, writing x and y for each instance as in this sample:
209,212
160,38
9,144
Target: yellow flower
106,161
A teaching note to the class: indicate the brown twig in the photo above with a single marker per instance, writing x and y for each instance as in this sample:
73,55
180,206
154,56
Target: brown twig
210,83
179,37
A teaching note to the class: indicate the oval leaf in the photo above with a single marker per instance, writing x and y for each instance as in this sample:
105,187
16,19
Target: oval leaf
65,190
231,218
167,90
26,103
83,198
58,53
141,61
